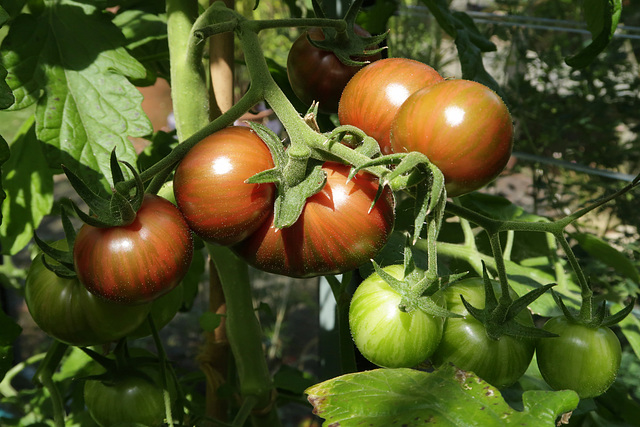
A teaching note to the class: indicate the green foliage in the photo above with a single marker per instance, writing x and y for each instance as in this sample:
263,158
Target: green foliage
28,182
410,397
85,104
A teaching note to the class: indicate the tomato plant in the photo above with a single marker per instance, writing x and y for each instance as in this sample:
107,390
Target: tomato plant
465,342
66,310
385,334
335,233
125,399
258,198
463,127
210,189
139,262
582,358
318,75
373,96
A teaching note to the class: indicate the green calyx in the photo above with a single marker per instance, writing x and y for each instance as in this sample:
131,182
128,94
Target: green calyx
598,318
346,44
499,316
417,289
297,177
120,209
59,256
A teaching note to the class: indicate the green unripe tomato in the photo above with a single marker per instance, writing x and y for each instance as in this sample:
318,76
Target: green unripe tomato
581,358
386,335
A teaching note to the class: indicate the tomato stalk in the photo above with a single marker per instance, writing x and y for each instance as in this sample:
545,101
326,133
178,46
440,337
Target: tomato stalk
343,299
188,83
44,377
245,335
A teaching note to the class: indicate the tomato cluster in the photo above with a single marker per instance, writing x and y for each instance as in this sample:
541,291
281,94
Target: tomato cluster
122,274
336,231
463,127
582,358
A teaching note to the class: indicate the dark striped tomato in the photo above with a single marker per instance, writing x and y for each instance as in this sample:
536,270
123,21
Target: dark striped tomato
318,75
462,126
373,96
210,188
67,311
335,232
138,262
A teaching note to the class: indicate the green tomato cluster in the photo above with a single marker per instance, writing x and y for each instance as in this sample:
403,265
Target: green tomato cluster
582,358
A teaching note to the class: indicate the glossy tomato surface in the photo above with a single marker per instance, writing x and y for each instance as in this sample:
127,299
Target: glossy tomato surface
138,262
128,399
462,126
64,309
465,342
386,335
210,188
317,74
373,96
581,358
335,232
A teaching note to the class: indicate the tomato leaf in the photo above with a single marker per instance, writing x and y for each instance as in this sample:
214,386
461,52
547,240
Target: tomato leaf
469,42
630,327
602,18
386,397
9,332
610,256
85,105
209,321
28,183
6,96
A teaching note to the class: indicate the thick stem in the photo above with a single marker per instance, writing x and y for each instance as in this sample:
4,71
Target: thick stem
188,83
245,334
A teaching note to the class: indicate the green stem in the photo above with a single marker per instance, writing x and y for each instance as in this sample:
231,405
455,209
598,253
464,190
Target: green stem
586,308
245,334
188,82
44,377
496,249
343,300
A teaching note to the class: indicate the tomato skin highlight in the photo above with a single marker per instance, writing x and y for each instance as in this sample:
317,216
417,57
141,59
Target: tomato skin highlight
210,189
136,263
462,126
383,333
373,96
64,309
317,74
466,344
581,358
335,232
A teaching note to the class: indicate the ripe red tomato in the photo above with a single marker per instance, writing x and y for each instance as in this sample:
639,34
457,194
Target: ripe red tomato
64,309
373,96
462,126
210,189
317,74
580,358
138,262
334,233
